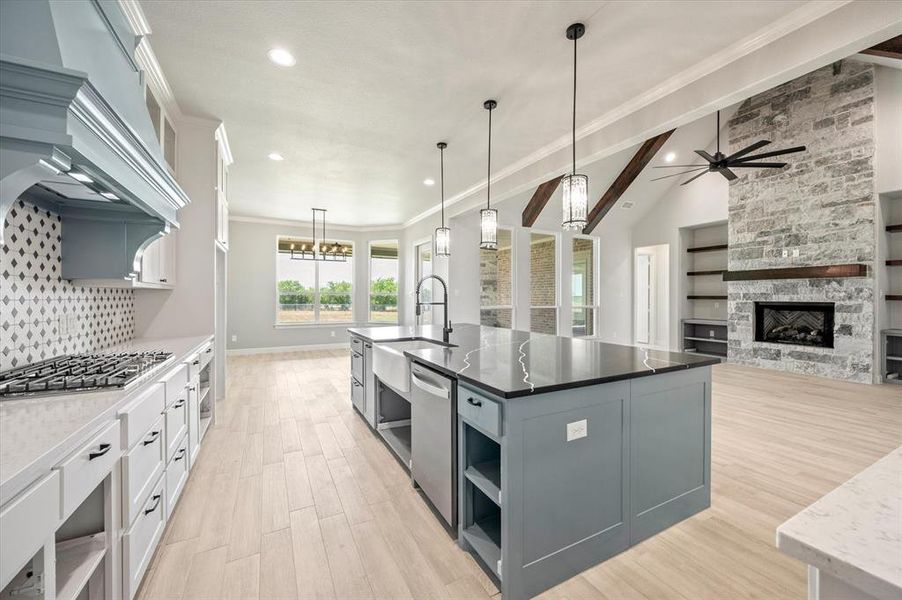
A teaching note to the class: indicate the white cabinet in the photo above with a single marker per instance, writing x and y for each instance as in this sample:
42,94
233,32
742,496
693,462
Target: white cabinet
158,263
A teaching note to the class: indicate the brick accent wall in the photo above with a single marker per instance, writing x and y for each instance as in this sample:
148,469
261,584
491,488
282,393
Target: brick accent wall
542,284
821,206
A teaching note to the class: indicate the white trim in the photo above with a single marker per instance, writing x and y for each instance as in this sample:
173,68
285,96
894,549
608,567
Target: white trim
223,139
797,19
278,349
300,223
134,14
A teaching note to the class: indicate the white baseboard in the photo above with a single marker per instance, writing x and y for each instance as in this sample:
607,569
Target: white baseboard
277,349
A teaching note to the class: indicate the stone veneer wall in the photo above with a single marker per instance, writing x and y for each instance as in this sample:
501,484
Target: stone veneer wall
822,206
542,284
41,314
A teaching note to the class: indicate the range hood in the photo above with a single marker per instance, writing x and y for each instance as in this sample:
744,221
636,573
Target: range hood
72,106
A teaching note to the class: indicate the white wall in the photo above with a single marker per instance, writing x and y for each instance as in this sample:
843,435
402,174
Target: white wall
659,330
252,285
702,202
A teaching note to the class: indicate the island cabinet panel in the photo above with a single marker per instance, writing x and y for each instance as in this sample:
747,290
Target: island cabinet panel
670,466
568,493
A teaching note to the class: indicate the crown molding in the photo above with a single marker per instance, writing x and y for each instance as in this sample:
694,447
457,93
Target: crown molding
299,223
795,20
223,139
134,14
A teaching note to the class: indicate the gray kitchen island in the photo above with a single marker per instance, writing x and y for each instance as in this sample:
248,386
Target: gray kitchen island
567,451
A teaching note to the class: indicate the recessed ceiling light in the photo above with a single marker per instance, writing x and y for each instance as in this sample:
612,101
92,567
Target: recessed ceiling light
669,157
109,195
281,57
275,156
80,177
429,181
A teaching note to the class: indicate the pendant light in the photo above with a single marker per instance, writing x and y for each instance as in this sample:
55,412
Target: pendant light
442,234
488,216
575,187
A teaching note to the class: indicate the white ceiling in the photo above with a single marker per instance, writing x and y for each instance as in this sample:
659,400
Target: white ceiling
377,84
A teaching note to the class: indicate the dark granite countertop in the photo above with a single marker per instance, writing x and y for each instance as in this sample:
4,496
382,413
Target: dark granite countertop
511,363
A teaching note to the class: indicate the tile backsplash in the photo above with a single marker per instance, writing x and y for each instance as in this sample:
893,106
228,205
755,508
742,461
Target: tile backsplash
42,315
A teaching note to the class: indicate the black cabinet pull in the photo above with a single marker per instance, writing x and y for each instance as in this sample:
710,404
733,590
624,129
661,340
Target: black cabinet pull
153,437
180,455
209,350
155,506
197,362
474,402
101,450
179,404
162,280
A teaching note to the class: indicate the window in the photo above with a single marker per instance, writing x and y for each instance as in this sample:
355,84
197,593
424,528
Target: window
424,268
314,291
495,282
582,287
543,283
384,282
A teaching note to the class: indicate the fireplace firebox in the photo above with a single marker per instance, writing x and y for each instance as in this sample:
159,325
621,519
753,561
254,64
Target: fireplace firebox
797,323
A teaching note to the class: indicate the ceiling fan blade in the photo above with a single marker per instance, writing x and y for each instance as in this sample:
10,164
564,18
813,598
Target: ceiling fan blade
672,166
706,156
694,178
757,165
773,153
678,174
730,175
747,149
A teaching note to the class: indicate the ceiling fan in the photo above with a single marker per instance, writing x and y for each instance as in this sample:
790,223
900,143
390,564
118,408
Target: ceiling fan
723,164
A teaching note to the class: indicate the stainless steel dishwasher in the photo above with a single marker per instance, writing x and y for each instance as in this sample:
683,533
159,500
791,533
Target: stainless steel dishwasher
433,420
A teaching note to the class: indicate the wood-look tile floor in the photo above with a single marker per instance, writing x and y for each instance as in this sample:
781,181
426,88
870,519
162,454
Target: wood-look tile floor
294,497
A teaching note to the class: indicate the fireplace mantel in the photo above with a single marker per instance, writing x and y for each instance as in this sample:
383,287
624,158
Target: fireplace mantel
819,272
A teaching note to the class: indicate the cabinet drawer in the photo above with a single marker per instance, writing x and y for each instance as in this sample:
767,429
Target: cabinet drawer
176,475
141,539
357,366
175,382
88,466
141,468
206,355
479,411
193,364
141,414
176,423
357,345
357,398
26,521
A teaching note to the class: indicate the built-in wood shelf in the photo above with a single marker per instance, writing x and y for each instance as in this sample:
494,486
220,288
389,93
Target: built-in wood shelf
713,248
698,297
820,272
896,262
894,297
704,339
703,273
896,227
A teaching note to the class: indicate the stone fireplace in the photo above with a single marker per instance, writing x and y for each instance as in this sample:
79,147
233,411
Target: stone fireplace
795,323
820,210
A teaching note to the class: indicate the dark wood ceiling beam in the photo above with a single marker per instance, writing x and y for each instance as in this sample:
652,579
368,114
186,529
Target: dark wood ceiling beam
643,156
539,199
891,48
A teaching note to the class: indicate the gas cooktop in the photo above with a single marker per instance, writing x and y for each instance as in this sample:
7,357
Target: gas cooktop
78,372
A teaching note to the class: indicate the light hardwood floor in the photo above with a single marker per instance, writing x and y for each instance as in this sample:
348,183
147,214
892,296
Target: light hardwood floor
294,497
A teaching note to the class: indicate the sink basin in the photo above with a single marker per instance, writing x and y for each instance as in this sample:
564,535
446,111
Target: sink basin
392,367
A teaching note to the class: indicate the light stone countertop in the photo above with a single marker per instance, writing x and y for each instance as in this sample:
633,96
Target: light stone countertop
855,532
38,432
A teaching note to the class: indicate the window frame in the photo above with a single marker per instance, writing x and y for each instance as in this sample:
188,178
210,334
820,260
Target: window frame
417,244
369,282
316,287
513,281
595,266
557,279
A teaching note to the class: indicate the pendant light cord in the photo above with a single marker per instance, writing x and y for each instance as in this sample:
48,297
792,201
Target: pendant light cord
442,170
718,132
488,178
575,39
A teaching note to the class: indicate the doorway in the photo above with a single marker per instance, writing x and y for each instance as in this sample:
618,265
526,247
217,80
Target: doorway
652,316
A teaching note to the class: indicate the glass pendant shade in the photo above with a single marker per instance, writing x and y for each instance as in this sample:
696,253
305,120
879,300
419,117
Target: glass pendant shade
576,201
442,241
488,219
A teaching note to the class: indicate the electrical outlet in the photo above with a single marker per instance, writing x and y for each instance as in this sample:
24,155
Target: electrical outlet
577,430
332,333
785,253
795,253
234,338
711,333
717,305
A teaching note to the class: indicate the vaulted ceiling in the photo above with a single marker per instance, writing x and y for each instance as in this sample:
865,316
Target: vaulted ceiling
377,84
